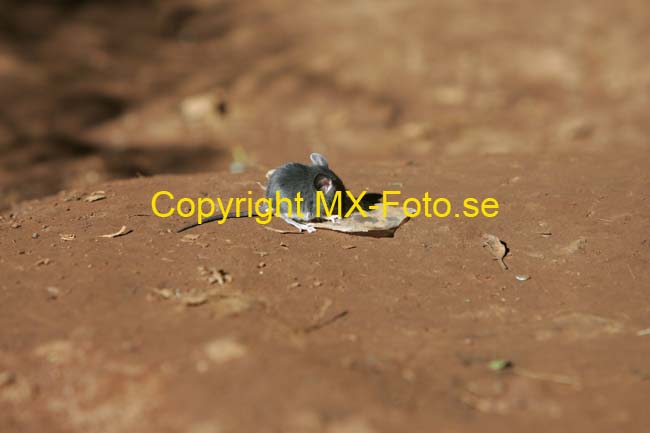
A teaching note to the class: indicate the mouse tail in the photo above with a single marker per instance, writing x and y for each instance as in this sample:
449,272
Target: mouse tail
217,218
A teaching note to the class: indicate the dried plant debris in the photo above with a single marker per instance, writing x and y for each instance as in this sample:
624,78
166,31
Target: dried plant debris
282,232
191,298
162,293
223,303
121,232
194,299
374,222
323,323
193,239
214,275
327,303
496,248
95,196
222,350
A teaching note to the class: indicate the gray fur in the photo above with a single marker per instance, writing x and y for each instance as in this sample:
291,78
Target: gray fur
293,178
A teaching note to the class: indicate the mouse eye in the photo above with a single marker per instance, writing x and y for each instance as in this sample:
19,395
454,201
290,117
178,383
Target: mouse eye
323,183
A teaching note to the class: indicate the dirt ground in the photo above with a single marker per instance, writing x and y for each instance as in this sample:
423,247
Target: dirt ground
237,328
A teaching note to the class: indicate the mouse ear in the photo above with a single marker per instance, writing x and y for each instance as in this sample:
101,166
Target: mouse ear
318,159
323,183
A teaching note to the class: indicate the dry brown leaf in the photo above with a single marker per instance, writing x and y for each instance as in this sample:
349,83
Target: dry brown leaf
194,299
95,196
374,222
284,232
163,293
215,275
224,349
496,248
121,232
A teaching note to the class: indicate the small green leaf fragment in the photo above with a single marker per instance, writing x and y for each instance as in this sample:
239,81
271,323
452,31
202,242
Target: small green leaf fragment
499,364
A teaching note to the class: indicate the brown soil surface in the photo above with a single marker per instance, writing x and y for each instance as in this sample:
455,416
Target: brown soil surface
236,328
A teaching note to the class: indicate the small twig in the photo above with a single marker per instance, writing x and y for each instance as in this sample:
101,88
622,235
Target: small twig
284,232
322,324
123,231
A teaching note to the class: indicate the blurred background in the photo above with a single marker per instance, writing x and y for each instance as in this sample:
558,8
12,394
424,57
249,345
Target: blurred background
98,90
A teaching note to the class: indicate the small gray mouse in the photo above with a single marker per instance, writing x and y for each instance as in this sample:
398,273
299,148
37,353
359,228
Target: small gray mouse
293,178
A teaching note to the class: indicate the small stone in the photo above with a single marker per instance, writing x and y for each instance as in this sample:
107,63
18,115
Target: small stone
52,292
